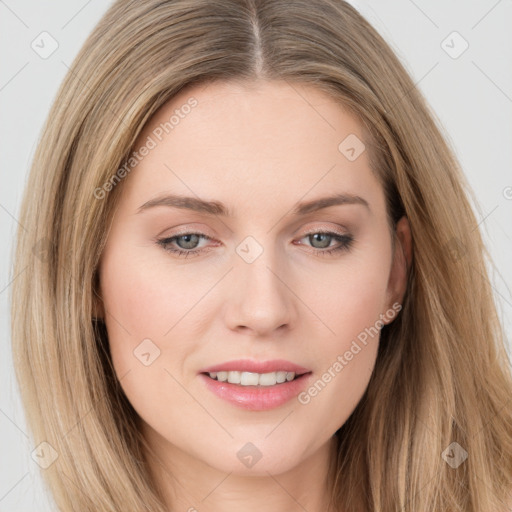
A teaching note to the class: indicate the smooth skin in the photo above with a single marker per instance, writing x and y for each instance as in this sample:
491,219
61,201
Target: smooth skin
259,149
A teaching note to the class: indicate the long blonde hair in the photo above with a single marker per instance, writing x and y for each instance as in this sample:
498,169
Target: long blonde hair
442,374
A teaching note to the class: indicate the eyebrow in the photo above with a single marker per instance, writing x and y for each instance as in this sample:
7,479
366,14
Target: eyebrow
218,208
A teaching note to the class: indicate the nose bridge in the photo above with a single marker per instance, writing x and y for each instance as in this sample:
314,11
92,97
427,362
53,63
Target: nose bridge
261,300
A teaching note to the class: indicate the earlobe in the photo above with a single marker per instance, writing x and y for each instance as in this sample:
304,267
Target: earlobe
402,257
403,233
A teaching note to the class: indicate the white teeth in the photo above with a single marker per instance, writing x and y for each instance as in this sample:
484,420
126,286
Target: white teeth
253,379
234,377
249,379
281,377
221,376
268,379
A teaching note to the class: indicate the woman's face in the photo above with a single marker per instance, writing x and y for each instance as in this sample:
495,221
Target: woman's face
239,179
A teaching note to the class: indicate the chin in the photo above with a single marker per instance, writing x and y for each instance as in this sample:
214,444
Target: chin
258,457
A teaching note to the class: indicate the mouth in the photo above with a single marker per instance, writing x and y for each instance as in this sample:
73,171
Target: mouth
253,379
256,386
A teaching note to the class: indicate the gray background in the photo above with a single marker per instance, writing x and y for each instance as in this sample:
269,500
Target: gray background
470,93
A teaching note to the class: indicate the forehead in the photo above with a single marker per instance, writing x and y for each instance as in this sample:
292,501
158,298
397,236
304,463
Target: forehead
250,141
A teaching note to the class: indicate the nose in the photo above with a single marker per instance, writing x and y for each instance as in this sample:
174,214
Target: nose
261,300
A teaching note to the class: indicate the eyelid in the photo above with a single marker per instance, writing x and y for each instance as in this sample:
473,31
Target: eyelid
326,229
185,230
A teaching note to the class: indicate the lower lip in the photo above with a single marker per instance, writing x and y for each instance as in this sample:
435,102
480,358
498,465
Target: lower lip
256,398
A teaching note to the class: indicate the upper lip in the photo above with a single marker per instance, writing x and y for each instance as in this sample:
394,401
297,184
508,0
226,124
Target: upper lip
248,365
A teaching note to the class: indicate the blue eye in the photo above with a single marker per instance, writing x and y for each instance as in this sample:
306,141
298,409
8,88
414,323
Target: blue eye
344,242
187,240
186,244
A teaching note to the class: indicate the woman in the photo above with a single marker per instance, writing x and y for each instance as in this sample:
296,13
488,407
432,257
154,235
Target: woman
253,277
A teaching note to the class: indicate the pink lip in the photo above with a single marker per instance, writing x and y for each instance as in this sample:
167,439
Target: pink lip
257,398
248,365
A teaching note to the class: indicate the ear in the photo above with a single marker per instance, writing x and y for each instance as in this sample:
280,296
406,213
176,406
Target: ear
402,257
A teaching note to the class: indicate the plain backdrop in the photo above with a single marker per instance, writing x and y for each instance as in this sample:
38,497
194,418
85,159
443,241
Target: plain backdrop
459,54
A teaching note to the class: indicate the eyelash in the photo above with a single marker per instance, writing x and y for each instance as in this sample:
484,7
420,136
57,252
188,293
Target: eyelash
344,240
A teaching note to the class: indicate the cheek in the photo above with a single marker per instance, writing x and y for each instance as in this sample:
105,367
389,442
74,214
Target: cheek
350,295
146,296
143,302
351,306
141,305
